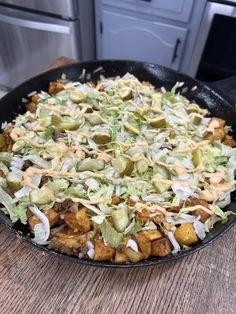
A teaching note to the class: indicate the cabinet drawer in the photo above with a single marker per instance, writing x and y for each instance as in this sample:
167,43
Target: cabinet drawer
126,37
178,10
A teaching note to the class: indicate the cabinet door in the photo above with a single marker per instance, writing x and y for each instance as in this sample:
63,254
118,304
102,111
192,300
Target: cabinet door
179,10
125,37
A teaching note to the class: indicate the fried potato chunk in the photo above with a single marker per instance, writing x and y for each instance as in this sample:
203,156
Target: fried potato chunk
31,106
35,98
199,212
151,235
115,200
218,134
120,256
55,87
144,244
51,214
158,218
102,251
69,244
143,216
8,141
161,247
133,256
221,122
185,234
78,221
229,141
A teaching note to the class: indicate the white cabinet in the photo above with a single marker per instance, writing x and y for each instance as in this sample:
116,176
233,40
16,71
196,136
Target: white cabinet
178,10
157,31
127,37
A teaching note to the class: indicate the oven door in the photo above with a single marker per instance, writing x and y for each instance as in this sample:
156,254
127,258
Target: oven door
65,8
29,42
212,9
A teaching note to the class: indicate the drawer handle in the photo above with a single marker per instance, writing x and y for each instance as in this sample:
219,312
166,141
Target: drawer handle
175,55
146,0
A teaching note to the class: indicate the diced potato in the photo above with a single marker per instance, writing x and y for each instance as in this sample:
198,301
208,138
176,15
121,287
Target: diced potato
115,200
120,256
220,121
203,215
9,141
185,234
199,212
31,106
102,251
78,221
55,87
158,218
73,242
151,235
35,98
144,244
218,134
133,256
130,202
161,247
229,141
51,214
143,216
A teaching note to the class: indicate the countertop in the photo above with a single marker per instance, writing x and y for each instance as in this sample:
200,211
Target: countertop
34,282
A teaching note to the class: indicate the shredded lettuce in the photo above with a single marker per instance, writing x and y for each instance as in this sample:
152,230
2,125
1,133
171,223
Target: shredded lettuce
3,168
133,228
110,235
9,204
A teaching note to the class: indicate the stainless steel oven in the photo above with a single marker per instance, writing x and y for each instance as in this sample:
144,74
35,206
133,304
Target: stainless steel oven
215,49
34,33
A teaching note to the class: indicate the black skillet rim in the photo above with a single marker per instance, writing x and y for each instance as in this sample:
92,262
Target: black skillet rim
151,261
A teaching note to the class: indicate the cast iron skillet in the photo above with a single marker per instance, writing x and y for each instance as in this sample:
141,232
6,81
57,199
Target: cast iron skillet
159,76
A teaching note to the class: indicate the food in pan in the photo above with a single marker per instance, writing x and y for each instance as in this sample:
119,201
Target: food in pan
116,171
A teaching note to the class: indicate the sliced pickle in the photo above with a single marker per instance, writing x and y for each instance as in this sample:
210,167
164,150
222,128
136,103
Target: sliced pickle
191,109
2,141
120,218
42,196
101,138
158,122
94,119
142,111
77,96
142,165
196,119
89,164
197,156
126,93
156,100
161,171
68,123
124,166
56,121
130,128
161,186
14,181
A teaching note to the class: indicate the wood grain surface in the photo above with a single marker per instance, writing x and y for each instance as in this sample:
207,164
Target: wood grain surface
33,282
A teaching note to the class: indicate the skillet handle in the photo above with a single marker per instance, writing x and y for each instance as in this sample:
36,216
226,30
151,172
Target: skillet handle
226,88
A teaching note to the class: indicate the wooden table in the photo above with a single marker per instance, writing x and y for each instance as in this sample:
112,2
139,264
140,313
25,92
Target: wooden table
32,282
